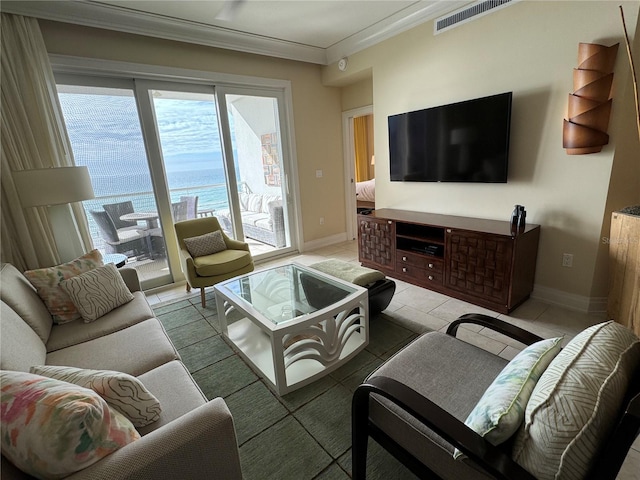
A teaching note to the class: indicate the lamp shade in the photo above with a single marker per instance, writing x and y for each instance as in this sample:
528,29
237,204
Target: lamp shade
53,186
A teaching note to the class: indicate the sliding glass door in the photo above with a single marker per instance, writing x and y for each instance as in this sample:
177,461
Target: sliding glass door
105,135
166,152
258,161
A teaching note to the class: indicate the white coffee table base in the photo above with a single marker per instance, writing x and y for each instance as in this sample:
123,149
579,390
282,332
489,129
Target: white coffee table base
321,350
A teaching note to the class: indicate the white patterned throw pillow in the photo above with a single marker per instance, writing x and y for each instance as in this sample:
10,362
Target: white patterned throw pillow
500,411
97,292
122,392
576,402
206,244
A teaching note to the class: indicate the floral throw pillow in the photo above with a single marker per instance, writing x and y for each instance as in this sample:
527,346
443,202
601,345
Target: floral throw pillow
206,244
500,411
123,392
47,283
51,429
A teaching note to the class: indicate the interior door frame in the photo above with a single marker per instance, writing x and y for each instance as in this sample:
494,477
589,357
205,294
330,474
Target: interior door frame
349,154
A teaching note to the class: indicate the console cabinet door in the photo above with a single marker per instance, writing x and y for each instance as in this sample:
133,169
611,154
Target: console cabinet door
479,264
376,239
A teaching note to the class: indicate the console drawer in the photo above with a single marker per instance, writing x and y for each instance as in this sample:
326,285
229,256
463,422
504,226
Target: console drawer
423,275
405,258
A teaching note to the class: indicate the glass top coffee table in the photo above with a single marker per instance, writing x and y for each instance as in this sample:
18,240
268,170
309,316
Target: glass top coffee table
293,323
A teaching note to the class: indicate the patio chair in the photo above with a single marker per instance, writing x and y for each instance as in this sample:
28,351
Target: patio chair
116,210
124,240
192,206
207,270
578,418
180,210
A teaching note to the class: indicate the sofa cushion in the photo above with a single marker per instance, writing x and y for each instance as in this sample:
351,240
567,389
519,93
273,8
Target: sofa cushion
51,429
22,297
72,333
254,202
164,381
124,351
207,244
20,346
266,200
47,282
576,401
124,393
97,292
252,218
222,263
500,411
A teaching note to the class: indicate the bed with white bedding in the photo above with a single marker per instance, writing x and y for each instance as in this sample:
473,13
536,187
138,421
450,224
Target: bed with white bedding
366,194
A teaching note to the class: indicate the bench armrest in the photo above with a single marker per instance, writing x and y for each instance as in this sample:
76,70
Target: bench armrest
499,326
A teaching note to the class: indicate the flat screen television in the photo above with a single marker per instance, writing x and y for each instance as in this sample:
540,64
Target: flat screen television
462,142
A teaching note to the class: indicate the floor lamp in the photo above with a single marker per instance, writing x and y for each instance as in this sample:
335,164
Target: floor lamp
57,188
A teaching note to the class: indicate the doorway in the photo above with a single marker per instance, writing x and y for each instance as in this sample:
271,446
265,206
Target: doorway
359,155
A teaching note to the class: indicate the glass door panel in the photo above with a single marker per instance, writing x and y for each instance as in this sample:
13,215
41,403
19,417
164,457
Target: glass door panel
188,134
258,161
105,134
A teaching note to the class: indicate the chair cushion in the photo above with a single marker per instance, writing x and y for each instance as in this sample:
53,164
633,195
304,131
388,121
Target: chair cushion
453,374
500,411
576,401
124,393
207,244
97,292
221,263
47,283
51,428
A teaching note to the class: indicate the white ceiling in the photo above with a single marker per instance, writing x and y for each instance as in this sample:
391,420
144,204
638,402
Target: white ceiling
307,30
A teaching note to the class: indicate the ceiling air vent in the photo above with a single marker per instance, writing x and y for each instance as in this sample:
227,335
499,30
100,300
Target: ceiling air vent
468,13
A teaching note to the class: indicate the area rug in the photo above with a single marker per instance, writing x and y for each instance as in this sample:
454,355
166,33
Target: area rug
304,435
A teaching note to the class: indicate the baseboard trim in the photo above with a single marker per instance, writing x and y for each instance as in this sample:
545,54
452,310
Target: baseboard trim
324,242
571,301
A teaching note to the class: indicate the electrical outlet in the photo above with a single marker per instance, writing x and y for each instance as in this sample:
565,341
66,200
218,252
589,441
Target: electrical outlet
318,173
321,220
567,259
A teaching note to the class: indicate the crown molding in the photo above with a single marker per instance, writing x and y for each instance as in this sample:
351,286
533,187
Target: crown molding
406,19
122,19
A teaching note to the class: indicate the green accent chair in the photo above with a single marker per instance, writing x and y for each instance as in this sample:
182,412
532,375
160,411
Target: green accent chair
208,270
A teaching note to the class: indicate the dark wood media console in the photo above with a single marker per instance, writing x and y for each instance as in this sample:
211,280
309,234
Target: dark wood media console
475,260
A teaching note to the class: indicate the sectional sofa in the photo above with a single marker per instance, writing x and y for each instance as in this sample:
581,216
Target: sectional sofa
262,218
193,438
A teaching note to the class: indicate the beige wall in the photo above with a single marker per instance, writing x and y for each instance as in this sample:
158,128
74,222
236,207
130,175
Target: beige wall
356,95
529,48
316,108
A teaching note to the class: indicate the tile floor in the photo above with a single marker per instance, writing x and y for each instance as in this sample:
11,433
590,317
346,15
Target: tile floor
424,309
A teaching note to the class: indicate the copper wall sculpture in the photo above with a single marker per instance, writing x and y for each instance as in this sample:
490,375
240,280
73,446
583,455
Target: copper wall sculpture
585,131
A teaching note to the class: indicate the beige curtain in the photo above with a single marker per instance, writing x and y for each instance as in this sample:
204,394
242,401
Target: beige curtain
361,148
33,135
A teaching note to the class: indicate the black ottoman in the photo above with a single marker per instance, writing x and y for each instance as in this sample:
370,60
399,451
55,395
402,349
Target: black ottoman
380,288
